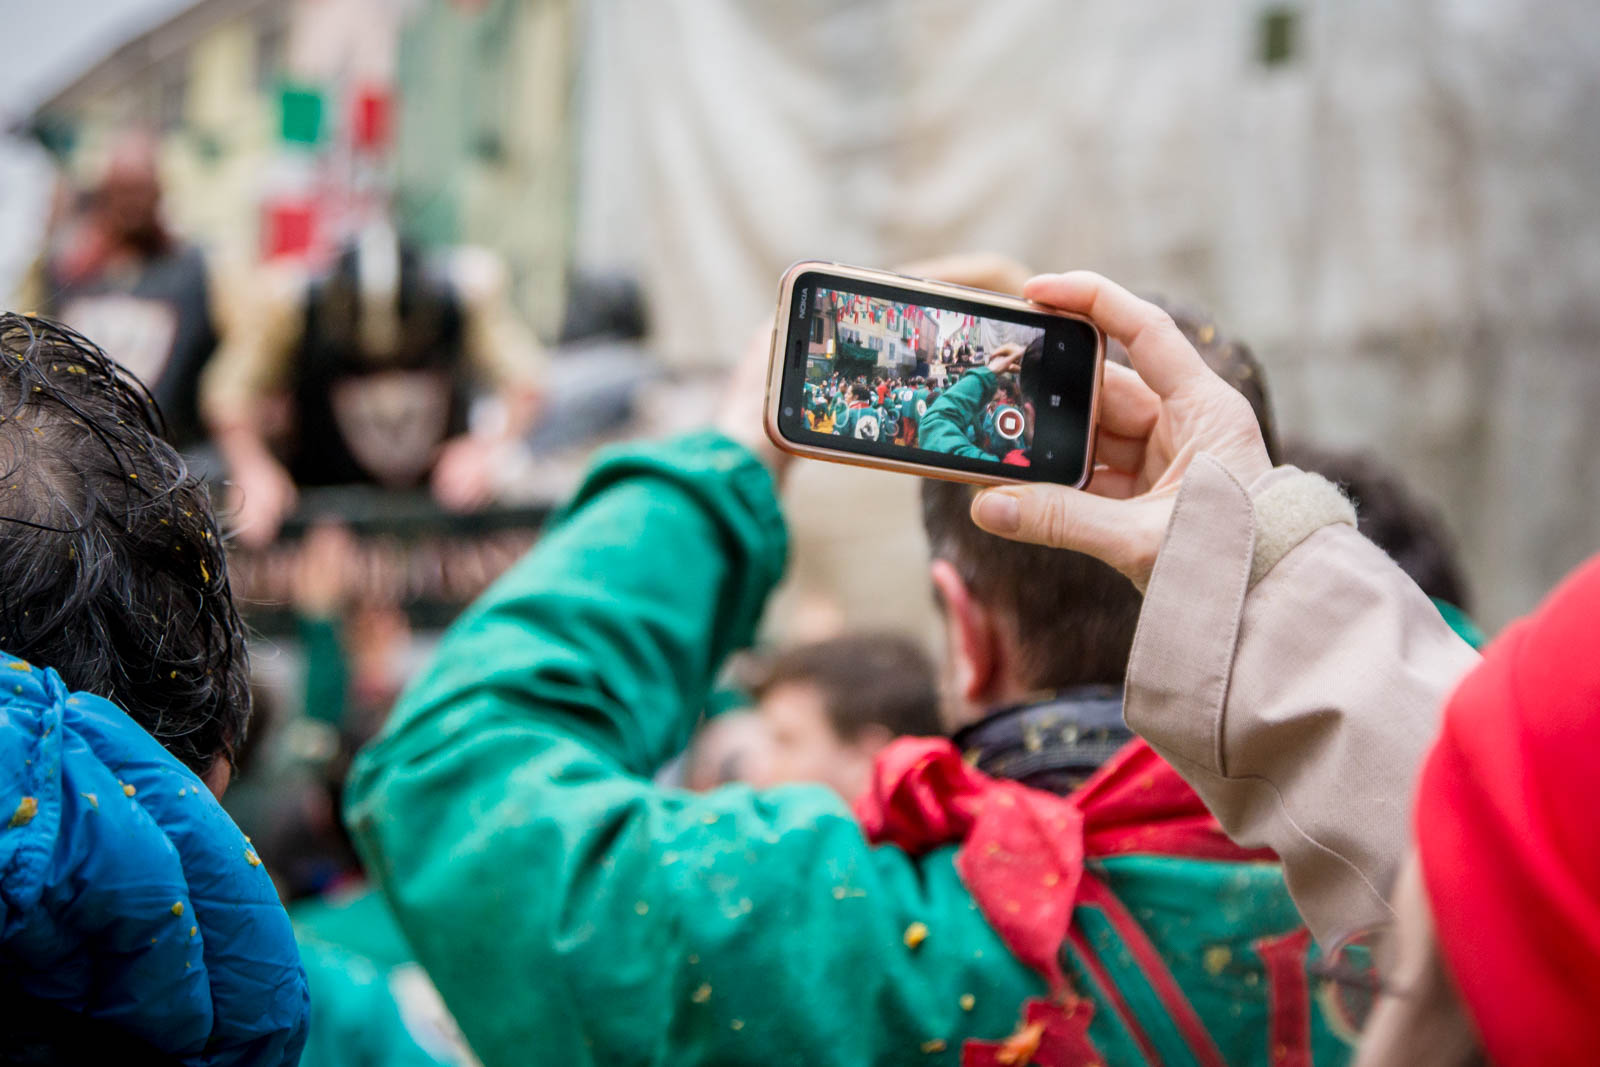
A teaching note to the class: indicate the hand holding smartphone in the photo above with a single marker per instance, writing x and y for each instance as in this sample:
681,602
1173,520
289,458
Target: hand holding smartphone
929,378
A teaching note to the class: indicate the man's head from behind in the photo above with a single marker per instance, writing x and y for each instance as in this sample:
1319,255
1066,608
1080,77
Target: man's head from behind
112,567
830,706
1022,621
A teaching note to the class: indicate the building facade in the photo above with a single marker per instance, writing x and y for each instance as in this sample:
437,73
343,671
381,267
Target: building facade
873,336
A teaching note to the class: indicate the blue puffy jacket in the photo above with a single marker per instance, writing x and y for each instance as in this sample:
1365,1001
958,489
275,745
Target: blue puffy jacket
127,894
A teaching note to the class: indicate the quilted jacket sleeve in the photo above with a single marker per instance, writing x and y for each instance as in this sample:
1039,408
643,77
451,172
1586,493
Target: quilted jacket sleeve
127,893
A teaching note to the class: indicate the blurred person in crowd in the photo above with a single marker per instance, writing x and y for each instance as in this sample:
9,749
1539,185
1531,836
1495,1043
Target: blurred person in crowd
860,417
354,654
370,1002
570,909
831,706
1395,519
364,374
137,919
117,273
357,648
819,406
1309,689
912,400
731,747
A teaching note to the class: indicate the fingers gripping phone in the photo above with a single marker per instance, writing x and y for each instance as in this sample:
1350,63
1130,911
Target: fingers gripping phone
929,378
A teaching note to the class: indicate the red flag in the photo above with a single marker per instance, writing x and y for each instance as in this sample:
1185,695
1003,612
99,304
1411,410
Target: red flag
289,227
371,119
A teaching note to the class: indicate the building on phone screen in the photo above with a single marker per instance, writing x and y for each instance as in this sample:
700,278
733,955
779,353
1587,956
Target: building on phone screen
858,336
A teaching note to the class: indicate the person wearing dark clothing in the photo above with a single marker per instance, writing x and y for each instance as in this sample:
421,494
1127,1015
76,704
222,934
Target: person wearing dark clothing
374,360
148,298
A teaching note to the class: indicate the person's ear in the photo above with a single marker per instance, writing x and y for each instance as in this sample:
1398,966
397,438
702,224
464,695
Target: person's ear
974,644
218,775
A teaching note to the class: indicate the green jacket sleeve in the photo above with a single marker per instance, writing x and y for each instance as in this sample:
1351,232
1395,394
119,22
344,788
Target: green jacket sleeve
943,426
571,911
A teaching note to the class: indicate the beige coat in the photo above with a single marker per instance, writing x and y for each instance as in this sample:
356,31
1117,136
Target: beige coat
1298,700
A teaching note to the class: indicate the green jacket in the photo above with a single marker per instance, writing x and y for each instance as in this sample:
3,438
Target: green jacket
866,423
571,911
948,420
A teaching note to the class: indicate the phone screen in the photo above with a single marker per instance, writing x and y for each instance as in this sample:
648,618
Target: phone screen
881,371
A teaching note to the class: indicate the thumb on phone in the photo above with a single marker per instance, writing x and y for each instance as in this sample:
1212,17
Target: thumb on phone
1125,534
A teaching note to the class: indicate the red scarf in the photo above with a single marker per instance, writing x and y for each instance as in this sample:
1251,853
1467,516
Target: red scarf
1022,856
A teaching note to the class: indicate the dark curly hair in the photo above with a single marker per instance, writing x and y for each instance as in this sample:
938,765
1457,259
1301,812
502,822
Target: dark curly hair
110,560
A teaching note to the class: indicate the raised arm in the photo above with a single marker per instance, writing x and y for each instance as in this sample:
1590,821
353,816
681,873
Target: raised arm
943,425
571,911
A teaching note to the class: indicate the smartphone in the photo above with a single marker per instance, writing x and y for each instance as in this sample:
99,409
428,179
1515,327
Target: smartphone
929,378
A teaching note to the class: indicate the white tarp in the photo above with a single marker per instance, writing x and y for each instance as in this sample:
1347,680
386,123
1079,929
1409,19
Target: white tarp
1402,218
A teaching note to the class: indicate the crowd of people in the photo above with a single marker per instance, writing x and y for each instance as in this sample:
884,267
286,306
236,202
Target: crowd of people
959,416
1208,767
885,409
